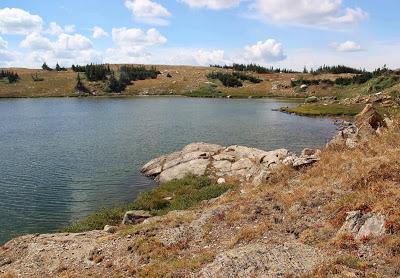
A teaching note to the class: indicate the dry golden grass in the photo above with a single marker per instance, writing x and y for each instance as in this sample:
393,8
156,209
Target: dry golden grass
251,232
184,79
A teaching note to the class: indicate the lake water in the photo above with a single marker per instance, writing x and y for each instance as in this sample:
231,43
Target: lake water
63,158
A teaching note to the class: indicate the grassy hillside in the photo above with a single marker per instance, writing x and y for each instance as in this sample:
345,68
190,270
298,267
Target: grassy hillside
174,80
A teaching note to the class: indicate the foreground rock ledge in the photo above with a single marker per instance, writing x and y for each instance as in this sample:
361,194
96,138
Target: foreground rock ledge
239,162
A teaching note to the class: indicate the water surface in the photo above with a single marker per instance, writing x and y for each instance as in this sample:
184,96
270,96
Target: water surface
63,158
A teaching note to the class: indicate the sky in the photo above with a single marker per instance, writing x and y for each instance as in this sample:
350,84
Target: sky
279,33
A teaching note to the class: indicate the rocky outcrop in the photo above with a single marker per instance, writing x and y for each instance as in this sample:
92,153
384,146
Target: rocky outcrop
368,122
239,162
363,225
264,260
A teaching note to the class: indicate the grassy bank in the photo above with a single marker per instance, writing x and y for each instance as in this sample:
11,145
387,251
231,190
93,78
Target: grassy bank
324,110
175,195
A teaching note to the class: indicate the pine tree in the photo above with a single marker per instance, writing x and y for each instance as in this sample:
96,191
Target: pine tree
46,67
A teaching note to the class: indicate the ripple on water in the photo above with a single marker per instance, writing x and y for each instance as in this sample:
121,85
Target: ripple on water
63,158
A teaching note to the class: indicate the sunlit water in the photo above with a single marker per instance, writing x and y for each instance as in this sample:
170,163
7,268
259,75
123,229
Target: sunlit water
63,158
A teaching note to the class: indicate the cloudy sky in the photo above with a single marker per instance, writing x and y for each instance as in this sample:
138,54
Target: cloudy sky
289,33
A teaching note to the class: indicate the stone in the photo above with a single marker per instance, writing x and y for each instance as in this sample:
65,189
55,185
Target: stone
370,118
374,226
303,161
196,167
198,159
363,224
110,229
264,260
135,217
221,181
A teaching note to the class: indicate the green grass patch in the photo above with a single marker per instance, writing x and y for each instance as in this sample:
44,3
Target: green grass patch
207,92
381,83
324,110
174,195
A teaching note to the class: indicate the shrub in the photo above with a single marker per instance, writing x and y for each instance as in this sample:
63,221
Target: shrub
36,78
46,67
12,77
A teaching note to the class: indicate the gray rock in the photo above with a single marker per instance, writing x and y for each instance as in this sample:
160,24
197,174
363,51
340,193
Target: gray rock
135,217
374,226
264,260
244,163
363,224
196,167
110,229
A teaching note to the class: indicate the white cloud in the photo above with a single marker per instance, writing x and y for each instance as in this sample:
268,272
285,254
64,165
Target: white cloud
314,13
134,37
55,29
265,52
212,4
149,12
15,21
6,56
132,45
347,46
69,28
66,50
98,32
73,42
35,41
199,57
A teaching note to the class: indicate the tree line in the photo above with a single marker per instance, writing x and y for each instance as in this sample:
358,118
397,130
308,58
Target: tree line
57,68
12,77
234,79
114,84
358,79
254,68
339,69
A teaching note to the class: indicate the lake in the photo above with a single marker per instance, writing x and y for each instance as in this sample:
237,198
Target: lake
63,158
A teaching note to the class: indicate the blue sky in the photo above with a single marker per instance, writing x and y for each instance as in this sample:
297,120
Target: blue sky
290,33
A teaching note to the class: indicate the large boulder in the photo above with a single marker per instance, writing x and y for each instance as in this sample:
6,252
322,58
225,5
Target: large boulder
243,163
369,118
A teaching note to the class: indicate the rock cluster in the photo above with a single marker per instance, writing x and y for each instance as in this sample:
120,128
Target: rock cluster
239,162
368,122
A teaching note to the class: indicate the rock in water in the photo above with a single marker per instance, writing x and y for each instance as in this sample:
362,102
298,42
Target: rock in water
135,217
